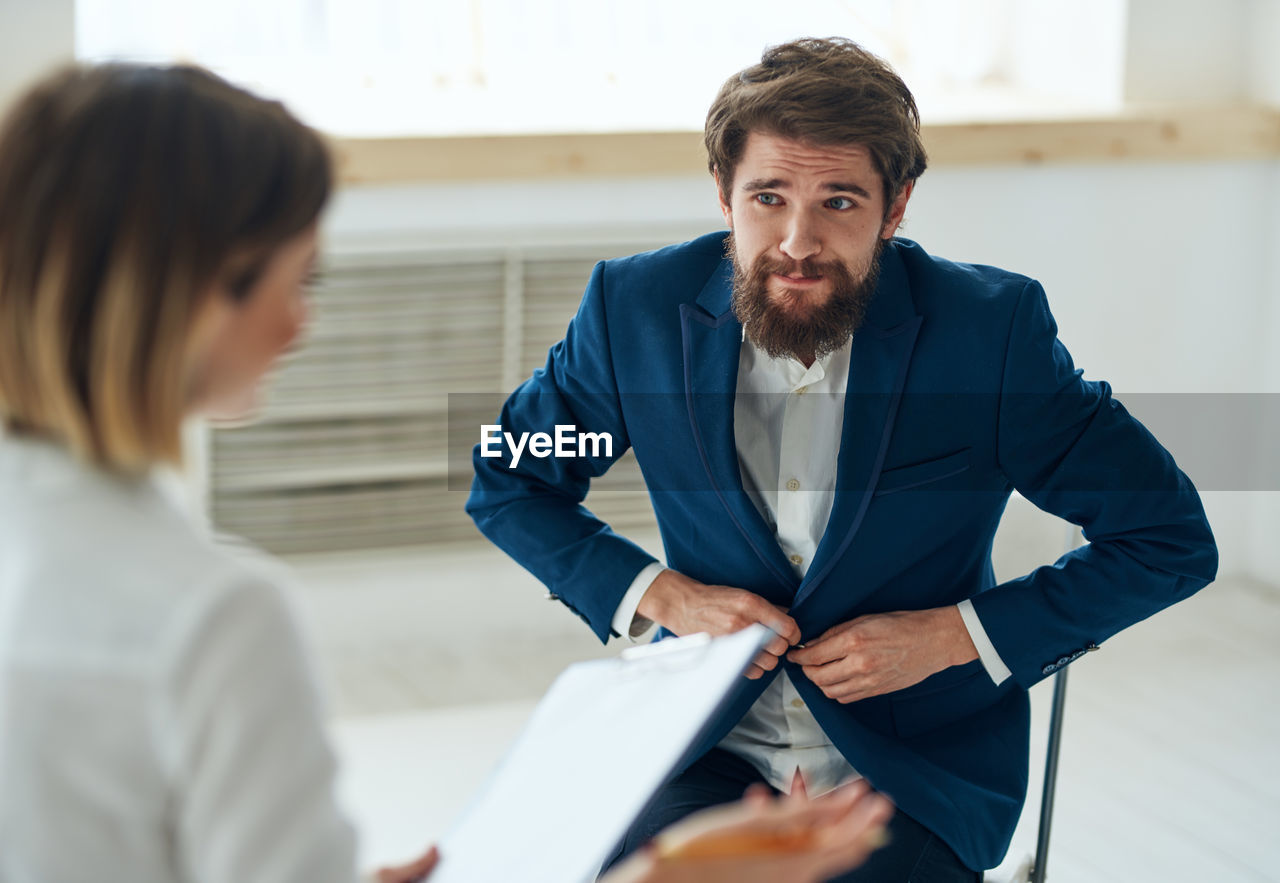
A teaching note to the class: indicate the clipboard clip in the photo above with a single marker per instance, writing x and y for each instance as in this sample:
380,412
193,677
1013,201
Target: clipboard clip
667,655
667,645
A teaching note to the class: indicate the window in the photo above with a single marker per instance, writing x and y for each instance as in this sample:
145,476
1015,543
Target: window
448,67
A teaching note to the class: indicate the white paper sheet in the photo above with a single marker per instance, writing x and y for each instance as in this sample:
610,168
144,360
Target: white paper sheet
602,741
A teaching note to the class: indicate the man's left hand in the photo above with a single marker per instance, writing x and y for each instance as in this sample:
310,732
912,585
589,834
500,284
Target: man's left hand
883,652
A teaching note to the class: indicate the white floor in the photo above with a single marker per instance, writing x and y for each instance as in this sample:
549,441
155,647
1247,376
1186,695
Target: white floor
1169,767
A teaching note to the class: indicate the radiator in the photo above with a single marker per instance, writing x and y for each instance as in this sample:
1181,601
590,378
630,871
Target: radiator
350,450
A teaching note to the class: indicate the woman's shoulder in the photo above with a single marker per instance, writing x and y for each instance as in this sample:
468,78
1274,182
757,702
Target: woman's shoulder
108,573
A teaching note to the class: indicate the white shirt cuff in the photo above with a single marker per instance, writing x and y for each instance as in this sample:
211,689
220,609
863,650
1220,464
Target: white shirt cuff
991,660
626,621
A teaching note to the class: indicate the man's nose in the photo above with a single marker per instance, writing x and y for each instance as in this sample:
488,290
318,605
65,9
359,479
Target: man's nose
801,239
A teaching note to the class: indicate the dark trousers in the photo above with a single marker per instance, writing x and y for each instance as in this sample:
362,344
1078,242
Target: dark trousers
914,854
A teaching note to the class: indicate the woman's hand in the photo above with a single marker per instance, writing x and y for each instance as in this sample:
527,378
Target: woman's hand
763,839
410,873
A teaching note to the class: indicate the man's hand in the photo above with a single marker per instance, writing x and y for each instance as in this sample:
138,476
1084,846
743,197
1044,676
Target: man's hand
685,606
884,652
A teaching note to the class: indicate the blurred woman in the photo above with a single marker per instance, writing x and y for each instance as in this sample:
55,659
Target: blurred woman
159,715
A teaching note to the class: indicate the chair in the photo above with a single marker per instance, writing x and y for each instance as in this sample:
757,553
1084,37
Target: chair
1034,868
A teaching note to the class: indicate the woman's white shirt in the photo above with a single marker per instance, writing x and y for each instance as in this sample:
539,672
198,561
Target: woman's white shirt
159,715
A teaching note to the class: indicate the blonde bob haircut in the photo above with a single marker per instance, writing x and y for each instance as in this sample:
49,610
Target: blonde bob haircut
129,193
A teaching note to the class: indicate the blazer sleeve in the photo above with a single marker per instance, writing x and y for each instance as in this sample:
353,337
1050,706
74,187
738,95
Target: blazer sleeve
533,510
1074,451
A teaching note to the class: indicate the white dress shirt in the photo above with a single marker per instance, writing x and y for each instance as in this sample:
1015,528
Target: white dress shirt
159,717
788,422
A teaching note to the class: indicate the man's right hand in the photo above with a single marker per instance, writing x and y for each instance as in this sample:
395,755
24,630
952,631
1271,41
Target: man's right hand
685,606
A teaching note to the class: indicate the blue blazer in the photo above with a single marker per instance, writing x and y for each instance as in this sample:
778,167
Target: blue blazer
959,392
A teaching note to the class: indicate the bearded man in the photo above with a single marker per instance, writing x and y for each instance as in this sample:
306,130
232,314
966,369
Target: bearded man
830,421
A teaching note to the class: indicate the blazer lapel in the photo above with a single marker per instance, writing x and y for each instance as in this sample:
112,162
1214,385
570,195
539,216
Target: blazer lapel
878,364
712,340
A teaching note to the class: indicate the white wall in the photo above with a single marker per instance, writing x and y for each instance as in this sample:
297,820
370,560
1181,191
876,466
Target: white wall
480,211
1190,51
1264,60
34,35
1264,522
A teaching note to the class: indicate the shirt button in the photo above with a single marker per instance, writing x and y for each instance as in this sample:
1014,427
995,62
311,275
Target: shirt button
797,703
797,560
801,390
793,485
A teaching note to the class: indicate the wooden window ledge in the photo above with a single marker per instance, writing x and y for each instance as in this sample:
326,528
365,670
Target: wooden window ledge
1243,132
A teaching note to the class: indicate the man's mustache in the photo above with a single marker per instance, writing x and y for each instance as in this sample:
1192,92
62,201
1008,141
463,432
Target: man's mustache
808,268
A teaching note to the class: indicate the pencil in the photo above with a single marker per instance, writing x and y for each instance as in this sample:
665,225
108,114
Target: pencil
738,844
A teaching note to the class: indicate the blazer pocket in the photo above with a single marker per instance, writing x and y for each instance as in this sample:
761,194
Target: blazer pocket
916,712
904,477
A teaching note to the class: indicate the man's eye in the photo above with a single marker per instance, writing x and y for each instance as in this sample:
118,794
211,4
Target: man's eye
841,203
768,199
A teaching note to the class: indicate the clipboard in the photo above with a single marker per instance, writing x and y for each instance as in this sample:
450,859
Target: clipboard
607,735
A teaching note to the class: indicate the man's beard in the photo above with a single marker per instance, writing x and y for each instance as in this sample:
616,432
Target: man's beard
773,323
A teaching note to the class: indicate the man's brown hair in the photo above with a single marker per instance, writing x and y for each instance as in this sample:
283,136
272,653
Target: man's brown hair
127,194
825,92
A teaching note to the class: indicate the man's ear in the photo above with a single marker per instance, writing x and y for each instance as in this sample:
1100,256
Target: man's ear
725,208
899,208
